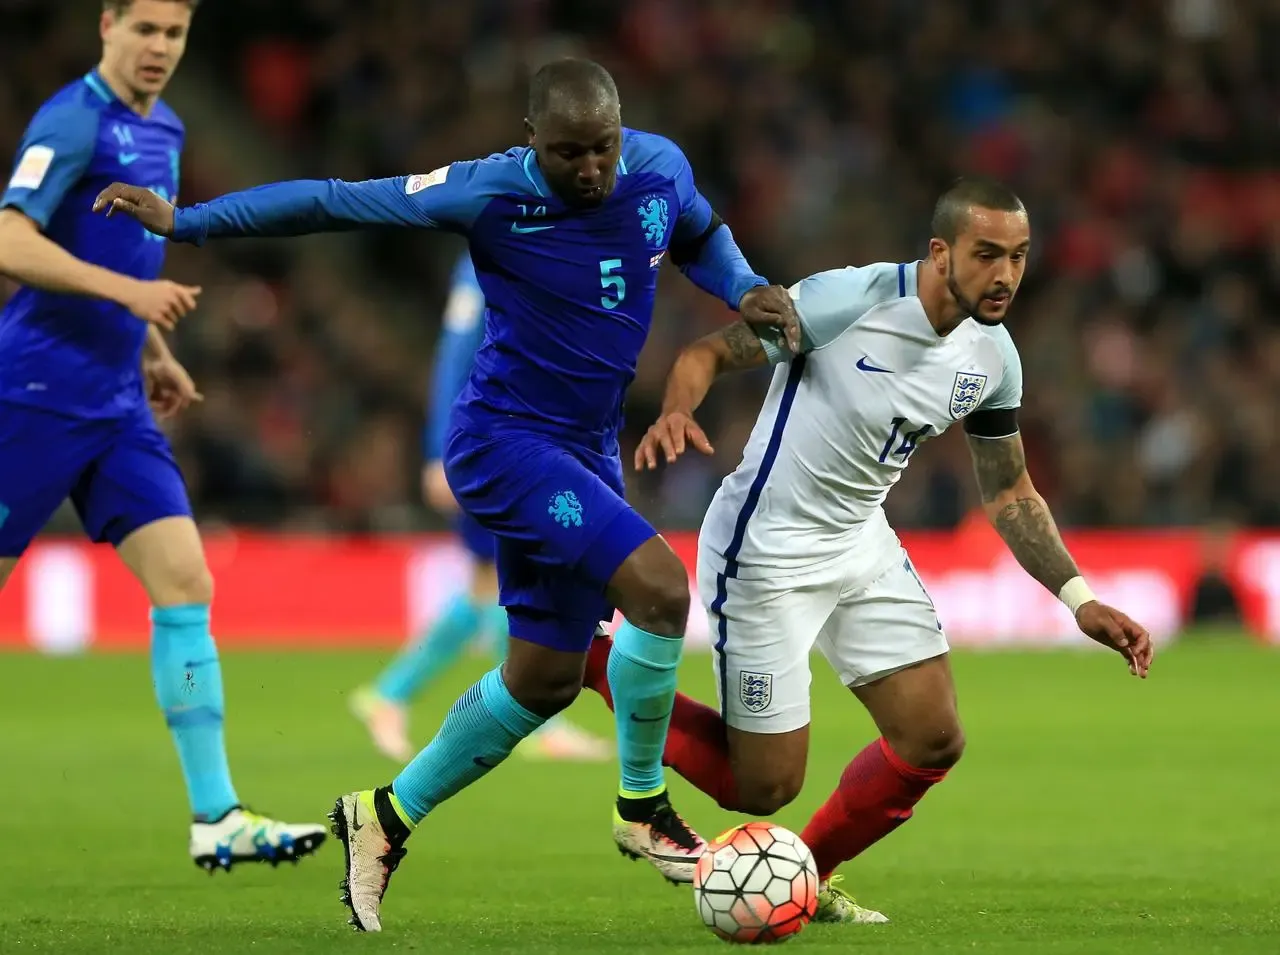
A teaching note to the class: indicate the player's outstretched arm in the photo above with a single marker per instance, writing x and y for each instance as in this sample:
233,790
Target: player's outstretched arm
1022,518
280,210
732,348
29,257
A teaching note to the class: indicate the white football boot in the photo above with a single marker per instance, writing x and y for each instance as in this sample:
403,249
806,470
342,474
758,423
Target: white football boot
664,840
244,836
371,858
837,905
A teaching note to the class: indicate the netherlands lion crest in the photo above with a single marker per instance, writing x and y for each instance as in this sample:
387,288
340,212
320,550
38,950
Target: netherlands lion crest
966,393
755,690
565,509
653,219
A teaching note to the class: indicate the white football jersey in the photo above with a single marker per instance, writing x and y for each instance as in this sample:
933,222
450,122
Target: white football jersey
842,419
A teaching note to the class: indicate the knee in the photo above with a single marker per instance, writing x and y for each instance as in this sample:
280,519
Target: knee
183,580
544,694
660,603
765,796
937,748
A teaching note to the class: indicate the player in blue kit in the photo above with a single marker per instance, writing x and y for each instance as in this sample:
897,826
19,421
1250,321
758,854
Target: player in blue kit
567,235
80,354
475,612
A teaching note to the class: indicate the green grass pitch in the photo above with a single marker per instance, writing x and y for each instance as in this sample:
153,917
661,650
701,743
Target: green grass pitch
1092,814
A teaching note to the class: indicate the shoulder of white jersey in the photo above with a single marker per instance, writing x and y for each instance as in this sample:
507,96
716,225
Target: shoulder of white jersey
652,153
1008,394
830,303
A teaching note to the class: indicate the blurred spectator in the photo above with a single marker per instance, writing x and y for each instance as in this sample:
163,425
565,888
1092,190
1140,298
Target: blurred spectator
1142,136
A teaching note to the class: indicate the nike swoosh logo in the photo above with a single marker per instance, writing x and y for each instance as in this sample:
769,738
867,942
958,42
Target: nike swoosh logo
650,719
863,366
519,229
195,664
128,159
482,762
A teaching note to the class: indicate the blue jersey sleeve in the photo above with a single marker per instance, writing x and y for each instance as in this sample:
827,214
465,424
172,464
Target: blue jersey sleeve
460,337
55,152
449,198
701,244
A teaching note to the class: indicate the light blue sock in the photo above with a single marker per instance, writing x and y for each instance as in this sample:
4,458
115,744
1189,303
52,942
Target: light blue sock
188,682
495,629
642,678
478,733
432,653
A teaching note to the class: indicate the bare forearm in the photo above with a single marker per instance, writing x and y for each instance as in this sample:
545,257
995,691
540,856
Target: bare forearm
1027,527
690,380
28,257
734,347
155,348
1018,512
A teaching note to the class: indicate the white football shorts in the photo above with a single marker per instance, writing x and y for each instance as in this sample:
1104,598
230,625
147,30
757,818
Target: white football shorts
869,615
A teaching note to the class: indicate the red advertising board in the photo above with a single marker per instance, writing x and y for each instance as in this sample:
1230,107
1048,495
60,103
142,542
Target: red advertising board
328,591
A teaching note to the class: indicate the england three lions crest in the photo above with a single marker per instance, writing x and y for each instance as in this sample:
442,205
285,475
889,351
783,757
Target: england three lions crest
967,393
755,690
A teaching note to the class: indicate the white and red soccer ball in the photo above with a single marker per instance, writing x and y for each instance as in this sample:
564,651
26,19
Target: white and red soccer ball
756,883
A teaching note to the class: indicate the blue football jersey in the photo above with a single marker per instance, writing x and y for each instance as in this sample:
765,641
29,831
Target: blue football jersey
461,333
569,291
81,356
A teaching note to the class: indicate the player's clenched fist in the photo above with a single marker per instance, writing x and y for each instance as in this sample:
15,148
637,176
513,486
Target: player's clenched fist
155,214
160,302
1113,629
667,437
772,305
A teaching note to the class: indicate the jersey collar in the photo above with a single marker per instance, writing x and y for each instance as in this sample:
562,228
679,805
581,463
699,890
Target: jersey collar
534,174
93,79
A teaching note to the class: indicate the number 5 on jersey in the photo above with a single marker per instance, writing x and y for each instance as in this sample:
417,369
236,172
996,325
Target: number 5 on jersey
610,281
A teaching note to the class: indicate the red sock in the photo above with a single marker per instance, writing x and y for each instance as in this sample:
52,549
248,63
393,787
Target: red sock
697,743
876,794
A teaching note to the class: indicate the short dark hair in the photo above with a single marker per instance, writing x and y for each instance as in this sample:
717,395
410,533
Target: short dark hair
951,213
119,7
581,84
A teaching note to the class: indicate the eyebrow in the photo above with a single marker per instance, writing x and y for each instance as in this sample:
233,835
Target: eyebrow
989,244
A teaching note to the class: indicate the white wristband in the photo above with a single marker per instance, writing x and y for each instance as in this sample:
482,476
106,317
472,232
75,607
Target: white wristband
1075,593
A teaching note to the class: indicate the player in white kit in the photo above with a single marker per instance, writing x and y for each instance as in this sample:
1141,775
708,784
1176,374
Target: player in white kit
795,550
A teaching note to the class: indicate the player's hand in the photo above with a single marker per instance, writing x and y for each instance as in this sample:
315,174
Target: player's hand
169,387
667,437
772,305
1113,629
155,214
436,491
160,302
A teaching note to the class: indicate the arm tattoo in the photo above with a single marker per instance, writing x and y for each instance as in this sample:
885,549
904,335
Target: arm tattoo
742,345
998,464
1021,516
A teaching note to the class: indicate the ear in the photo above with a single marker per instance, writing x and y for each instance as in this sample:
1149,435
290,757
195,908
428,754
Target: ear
939,255
105,23
529,131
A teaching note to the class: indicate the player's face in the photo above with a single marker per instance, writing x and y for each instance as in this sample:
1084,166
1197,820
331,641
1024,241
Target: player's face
578,156
985,265
143,46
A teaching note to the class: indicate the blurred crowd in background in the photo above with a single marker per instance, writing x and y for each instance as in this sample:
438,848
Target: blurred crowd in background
1143,137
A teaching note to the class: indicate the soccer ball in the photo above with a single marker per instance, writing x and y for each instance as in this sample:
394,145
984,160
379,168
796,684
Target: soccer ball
756,883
